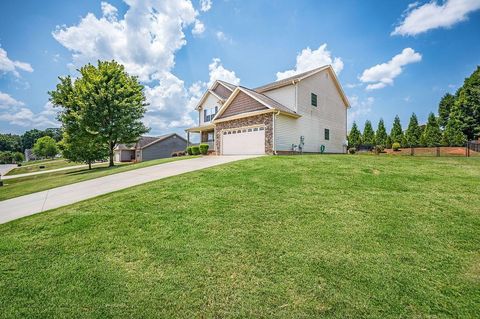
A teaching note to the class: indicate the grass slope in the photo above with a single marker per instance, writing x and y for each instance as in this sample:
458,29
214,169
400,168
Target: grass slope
34,166
303,236
30,184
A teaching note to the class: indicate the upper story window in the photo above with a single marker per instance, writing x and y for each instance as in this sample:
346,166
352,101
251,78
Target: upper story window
313,98
327,134
209,114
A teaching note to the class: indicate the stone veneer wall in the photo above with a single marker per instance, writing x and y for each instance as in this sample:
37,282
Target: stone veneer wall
266,119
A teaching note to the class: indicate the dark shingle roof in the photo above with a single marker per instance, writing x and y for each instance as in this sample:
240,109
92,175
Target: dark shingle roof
144,141
272,85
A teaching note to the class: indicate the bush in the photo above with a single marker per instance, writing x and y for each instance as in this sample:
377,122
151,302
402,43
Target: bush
195,150
204,149
18,157
174,154
179,153
352,150
189,150
378,149
19,164
396,146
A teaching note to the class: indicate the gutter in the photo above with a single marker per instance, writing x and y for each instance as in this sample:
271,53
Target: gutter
273,133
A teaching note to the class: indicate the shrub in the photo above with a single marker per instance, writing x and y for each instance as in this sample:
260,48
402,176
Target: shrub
396,146
174,154
19,164
378,149
189,150
204,149
352,150
195,150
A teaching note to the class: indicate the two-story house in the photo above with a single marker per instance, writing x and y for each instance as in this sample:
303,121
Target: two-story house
306,112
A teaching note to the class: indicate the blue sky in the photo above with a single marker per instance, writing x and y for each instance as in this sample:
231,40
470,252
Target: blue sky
392,57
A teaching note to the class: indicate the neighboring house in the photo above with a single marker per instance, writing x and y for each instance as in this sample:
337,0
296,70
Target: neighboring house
306,112
29,156
149,148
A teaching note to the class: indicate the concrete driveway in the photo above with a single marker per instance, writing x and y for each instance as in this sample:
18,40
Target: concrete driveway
22,206
5,168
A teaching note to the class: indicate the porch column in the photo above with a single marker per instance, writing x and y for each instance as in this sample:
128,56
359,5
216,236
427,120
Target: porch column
188,138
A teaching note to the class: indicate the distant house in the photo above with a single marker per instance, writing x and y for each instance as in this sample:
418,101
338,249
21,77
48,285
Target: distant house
306,112
149,148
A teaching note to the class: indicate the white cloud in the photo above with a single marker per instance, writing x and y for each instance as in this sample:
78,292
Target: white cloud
205,5
9,66
419,19
17,114
198,28
145,41
7,102
359,107
310,59
218,72
223,37
383,74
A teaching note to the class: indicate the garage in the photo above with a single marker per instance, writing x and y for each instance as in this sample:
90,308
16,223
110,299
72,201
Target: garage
241,141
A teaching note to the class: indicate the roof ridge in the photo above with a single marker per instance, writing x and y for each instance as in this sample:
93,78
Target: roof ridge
291,78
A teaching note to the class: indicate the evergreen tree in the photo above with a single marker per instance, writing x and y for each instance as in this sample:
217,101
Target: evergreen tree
381,136
466,109
355,137
453,135
396,134
368,137
413,132
432,136
445,108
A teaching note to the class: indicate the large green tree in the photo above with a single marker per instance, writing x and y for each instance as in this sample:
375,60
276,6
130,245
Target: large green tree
396,133
453,135
432,136
381,136
45,147
30,137
413,132
466,109
107,103
10,142
354,137
445,108
368,137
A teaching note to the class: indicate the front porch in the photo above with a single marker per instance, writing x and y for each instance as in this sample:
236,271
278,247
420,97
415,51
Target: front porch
207,136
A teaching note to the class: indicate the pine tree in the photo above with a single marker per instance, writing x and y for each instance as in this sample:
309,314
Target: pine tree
445,108
368,137
396,134
453,135
413,132
381,136
355,137
432,136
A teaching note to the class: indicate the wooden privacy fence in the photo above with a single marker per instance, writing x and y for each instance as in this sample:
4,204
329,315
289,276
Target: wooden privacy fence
471,149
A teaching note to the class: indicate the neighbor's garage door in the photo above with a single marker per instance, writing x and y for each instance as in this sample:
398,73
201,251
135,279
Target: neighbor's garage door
243,141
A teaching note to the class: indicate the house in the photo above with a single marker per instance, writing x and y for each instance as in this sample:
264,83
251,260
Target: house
149,148
303,113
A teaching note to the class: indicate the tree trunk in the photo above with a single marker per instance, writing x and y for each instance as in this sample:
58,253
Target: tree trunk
89,165
110,154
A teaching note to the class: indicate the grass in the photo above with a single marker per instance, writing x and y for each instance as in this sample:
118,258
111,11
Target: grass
300,236
34,166
30,184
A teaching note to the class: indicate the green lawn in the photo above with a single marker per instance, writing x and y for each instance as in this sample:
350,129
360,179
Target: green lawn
300,236
30,184
34,166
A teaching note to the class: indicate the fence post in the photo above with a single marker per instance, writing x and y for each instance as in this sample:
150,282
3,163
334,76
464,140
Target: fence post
412,151
438,151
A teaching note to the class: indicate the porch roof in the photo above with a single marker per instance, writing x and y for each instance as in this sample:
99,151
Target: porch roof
198,129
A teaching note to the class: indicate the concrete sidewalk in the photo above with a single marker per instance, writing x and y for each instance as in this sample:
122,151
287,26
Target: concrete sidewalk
22,206
5,168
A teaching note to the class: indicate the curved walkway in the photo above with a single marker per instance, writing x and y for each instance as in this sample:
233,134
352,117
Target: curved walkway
22,206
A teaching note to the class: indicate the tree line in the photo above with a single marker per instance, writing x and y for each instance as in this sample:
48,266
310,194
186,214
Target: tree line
458,121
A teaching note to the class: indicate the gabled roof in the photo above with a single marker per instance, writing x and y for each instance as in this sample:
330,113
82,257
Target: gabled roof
263,99
145,141
298,77
227,85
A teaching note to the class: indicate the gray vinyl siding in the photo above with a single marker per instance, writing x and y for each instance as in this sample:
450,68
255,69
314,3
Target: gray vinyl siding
164,148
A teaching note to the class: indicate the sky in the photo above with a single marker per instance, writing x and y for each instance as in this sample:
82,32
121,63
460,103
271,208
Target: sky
392,57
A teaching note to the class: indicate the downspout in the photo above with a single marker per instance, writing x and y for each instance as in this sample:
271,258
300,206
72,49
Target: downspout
273,133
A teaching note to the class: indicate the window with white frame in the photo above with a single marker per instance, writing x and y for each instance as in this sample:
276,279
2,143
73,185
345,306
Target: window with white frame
209,114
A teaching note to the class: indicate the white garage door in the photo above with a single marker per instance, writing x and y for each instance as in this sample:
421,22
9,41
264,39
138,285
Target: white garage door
243,141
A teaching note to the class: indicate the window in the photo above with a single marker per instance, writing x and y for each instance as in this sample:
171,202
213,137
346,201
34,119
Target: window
314,99
327,134
210,137
209,114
